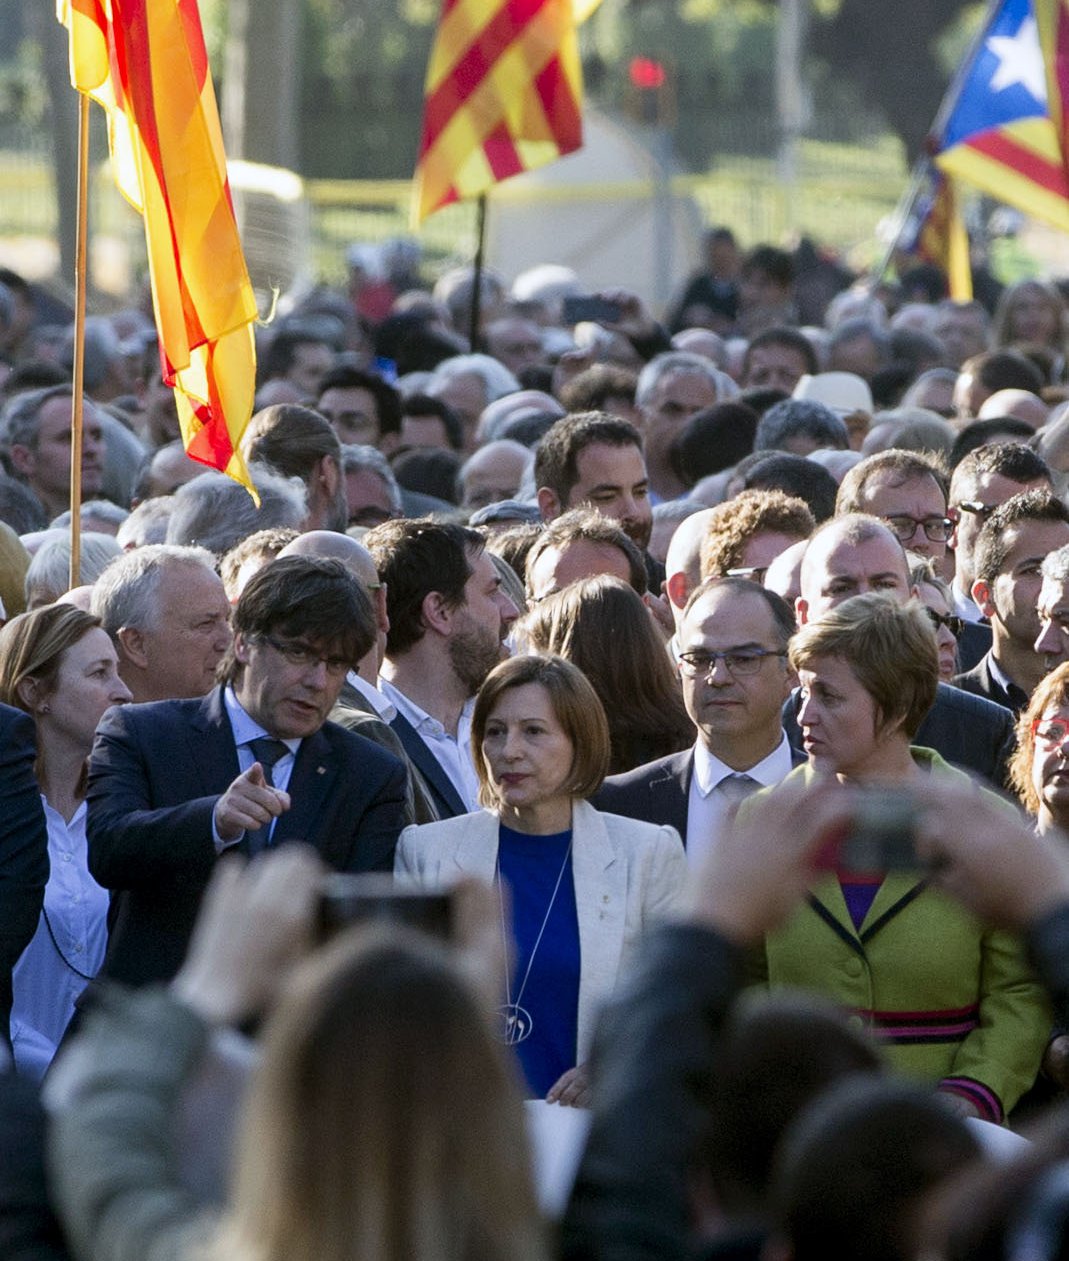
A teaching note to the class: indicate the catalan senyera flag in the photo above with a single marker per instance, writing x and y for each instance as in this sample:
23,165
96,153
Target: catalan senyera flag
1004,130
503,95
145,62
937,233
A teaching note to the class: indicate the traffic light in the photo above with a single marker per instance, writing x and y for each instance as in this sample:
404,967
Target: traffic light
651,95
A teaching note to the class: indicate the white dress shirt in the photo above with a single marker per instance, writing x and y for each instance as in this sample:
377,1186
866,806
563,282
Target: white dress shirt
385,709
71,936
706,808
452,753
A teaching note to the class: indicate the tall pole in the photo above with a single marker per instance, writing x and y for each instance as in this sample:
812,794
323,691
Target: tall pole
920,167
792,102
477,273
906,203
80,279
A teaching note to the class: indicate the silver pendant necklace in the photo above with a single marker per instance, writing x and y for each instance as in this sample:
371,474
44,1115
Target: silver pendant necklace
516,1021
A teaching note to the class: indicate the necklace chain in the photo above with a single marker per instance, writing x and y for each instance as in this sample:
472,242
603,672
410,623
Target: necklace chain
512,1008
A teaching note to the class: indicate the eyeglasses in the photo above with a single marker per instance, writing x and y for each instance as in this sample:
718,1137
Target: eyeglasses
1050,733
951,621
936,529
700,664
755,573
298,654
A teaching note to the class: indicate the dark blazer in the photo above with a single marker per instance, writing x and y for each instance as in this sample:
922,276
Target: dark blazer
975,640
981,682
29,1229
439,788
658,792
967,731
23,848
155,774
352,711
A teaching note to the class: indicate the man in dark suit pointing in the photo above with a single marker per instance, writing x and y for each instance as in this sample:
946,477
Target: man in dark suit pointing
174,784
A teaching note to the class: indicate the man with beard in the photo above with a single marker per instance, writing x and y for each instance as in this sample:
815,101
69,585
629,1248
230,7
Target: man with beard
1013,544
448,618
595,460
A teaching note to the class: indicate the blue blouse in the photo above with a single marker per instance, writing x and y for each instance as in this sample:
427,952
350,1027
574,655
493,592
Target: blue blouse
545,978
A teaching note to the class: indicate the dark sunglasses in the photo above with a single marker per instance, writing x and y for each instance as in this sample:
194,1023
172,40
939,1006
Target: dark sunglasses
951,621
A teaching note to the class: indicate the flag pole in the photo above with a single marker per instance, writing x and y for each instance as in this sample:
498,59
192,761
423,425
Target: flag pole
477,276
902,212
80,279
950,97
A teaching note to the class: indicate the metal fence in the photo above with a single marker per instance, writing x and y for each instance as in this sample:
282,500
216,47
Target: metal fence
839,196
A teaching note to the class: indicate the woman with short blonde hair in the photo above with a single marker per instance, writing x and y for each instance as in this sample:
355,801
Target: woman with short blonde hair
949,1000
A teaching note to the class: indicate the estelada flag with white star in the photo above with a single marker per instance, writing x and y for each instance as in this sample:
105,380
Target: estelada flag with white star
504,94
1003,128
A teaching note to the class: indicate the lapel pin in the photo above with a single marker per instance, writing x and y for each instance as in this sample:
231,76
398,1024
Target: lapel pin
321,770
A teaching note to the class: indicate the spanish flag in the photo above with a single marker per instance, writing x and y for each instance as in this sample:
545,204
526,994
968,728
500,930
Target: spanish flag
145,62
503,95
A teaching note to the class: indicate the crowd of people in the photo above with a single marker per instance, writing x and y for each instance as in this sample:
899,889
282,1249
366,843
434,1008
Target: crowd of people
713,668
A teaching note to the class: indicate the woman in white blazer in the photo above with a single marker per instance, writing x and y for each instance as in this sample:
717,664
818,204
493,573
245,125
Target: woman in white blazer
582,886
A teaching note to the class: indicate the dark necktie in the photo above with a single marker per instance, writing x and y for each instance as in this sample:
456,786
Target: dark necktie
733,788
267,751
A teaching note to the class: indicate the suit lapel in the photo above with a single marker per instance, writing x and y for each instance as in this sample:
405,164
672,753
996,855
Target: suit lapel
825,897
212,747
600,903
897,891
310,788
475,850
352,699
428,766
670,792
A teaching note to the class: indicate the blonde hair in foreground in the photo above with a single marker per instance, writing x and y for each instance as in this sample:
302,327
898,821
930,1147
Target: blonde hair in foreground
384,1122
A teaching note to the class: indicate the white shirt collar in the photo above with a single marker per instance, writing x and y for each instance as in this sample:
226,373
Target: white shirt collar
246,728
418,717
385,709
998,674
709,770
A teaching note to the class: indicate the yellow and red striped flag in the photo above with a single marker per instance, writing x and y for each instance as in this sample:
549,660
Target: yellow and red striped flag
1052,24
941,237
145,62
504,94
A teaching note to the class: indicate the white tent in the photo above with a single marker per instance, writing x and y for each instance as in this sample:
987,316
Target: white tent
605,211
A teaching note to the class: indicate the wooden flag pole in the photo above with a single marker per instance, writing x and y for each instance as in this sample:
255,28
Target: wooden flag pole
477,277
80,280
